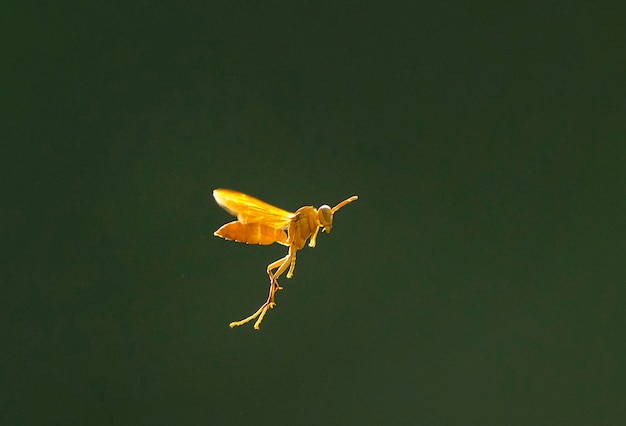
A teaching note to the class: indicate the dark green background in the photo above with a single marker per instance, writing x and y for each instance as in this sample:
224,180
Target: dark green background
478,280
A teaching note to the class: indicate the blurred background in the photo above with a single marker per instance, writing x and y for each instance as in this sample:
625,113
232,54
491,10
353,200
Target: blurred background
477,280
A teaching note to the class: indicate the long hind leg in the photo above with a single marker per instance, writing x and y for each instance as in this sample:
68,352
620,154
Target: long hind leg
281,264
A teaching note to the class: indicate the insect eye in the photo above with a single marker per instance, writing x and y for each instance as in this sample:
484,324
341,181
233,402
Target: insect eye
326,217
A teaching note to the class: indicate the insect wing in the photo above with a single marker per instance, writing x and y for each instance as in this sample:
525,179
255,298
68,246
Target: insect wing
250,210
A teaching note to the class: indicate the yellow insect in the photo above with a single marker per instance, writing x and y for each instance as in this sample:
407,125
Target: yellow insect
261,223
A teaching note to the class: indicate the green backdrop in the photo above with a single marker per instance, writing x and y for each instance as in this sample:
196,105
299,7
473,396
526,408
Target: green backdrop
477,280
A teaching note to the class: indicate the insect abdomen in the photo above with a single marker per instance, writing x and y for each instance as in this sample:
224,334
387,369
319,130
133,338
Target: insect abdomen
252,233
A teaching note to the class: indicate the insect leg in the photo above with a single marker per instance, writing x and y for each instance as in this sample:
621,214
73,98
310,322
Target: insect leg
313,238
292,265
281,264
269,303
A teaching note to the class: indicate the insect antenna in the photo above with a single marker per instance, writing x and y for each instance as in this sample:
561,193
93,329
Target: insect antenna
344,202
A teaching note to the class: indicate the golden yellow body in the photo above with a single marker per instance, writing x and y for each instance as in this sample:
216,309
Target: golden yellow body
261,223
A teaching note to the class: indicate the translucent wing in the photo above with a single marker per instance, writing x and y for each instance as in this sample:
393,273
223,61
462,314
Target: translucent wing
250,210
